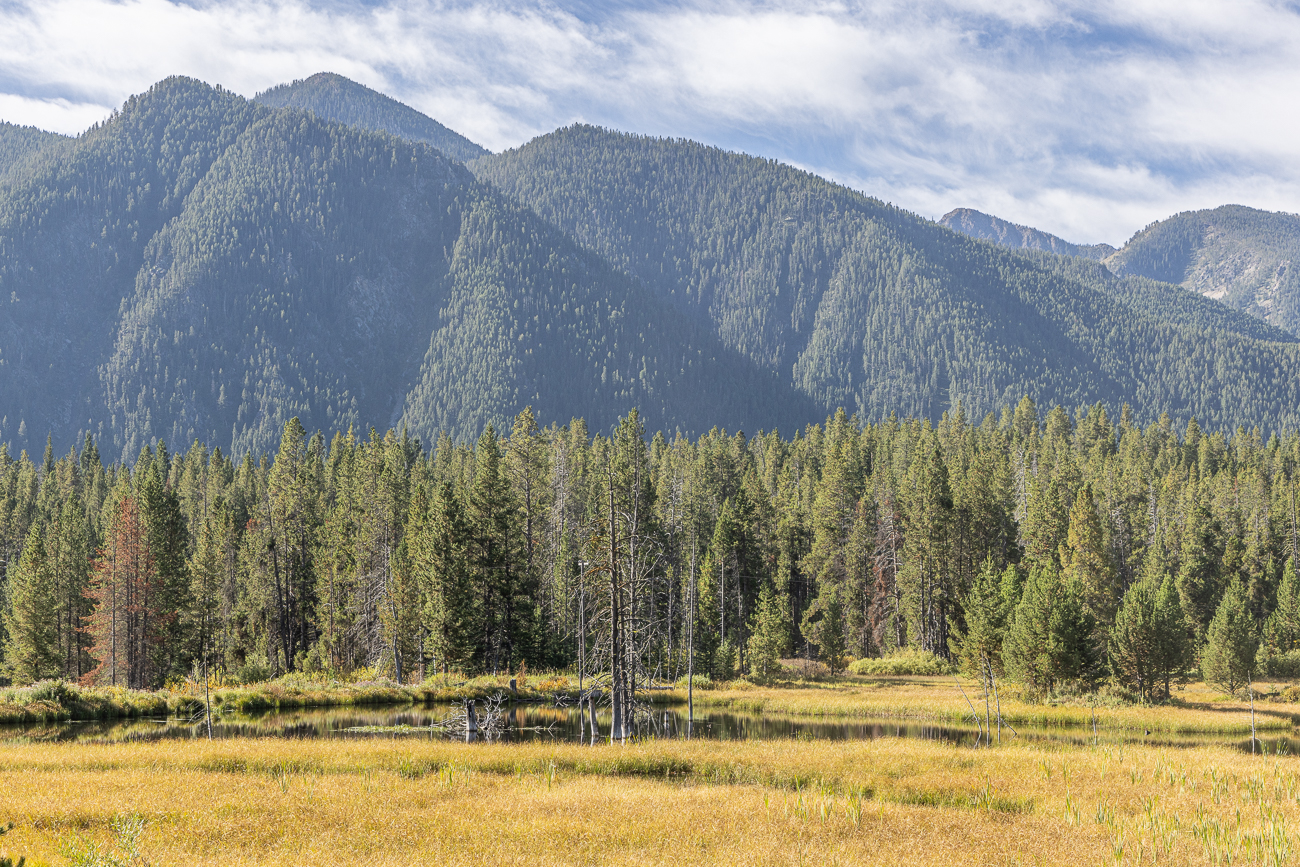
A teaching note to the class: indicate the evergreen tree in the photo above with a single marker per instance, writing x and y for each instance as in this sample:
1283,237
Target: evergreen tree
1085,559
494,543
769,638
1228,659
32,621
1282,629
1049,640
167,538
977,647
1149,644
927,573
823,624
1200,558
452,617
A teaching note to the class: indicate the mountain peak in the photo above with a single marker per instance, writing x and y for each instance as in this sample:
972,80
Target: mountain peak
978,224
334,97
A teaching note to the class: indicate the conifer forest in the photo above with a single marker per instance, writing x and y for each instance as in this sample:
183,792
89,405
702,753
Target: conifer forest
371,497
1055,550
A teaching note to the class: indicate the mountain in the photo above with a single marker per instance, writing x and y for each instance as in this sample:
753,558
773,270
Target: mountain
989,228
334,97
202,265
1246,258
864,305
19,144
206,266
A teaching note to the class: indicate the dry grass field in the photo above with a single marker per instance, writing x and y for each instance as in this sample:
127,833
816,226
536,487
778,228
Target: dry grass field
1196,708
889,801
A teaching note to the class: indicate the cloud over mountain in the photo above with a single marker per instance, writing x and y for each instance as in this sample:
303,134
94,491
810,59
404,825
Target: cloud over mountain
1085,119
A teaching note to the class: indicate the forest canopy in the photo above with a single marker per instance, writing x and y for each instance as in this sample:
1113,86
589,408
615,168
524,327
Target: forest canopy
1059,550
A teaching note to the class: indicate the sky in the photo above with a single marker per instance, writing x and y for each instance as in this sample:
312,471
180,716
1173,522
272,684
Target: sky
1086,119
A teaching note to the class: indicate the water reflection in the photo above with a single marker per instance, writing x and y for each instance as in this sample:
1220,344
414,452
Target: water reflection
528,722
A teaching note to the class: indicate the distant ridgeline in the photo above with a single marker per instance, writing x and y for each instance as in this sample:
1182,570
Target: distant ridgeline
1242,257
205,267
1059,552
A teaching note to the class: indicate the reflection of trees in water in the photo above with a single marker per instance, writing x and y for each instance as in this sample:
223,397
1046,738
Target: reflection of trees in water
525,721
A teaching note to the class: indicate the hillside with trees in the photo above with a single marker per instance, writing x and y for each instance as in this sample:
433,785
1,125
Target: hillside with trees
205,267
1242,257
862,305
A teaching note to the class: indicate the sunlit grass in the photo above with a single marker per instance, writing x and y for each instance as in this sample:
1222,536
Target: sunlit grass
759,802
59,700
1196,708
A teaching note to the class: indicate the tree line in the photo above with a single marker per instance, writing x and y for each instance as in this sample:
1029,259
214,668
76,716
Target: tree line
1059,551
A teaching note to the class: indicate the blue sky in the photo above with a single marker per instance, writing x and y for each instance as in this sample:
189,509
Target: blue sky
1087,119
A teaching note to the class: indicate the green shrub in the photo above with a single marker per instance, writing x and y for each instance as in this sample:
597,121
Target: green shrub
256,669
910,662
1283,665
702,681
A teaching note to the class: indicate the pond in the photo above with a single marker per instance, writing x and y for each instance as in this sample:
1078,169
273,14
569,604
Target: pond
526,722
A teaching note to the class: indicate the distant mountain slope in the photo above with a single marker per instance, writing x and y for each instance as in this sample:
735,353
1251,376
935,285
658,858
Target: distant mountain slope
204,266
863,305
989,228
334,97
19,144
1246,258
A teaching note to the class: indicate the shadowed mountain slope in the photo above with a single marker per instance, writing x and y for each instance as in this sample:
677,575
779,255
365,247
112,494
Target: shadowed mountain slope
205,266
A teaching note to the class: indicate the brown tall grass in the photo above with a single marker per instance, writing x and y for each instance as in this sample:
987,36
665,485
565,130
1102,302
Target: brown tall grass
668,802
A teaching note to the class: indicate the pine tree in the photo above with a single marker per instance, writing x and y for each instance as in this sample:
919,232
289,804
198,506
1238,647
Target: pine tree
927,573
1149,645
494,543
452,616
823,624
32,620
1049,641
1282,629
978,646
769,638
1228,659
1175,655
1201,554
125,620
1085,559
167,538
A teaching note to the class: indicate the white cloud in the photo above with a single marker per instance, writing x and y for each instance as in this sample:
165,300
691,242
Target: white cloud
1088,119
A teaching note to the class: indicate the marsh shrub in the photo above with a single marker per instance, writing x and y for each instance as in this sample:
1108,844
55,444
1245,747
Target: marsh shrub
1283,665
702,681
256,669
903,662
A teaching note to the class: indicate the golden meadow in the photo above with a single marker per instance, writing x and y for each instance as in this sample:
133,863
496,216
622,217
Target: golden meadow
1033,799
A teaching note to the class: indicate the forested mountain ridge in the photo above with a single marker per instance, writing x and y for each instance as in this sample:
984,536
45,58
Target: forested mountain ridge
334,97
1244,257
987,227
202,266
18,144
869,307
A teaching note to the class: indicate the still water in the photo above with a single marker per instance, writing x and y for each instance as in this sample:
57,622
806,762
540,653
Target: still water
526,722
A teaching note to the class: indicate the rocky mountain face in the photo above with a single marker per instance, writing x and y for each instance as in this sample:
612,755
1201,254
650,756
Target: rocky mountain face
1242,257
977,224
